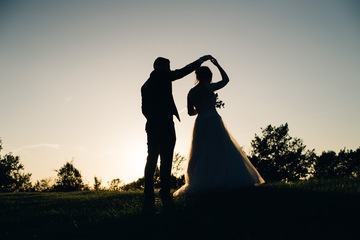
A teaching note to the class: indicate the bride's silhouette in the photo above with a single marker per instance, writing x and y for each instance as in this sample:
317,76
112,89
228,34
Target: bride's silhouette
216,161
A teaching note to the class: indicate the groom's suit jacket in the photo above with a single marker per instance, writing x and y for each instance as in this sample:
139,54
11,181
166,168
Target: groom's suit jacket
157,102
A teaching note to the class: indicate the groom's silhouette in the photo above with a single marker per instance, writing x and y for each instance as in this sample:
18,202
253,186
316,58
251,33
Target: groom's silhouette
158,107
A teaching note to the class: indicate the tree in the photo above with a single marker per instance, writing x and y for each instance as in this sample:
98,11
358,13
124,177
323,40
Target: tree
68,179
11,177
178,177
97,184
135,185
345,164
178,165
353,162
44,185
279,157
115,184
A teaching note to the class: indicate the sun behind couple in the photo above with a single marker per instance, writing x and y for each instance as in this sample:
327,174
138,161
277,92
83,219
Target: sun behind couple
216,162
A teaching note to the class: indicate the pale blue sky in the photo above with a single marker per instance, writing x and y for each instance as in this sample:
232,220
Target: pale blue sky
71,72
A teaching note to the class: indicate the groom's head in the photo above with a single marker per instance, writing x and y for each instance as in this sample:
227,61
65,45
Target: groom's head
161,64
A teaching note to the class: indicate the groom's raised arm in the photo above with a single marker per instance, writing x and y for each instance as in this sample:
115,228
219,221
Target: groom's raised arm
180,73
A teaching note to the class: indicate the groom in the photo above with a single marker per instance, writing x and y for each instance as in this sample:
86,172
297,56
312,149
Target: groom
158,107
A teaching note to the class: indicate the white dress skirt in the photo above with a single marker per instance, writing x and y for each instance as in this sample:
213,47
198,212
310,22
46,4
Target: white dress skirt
216,162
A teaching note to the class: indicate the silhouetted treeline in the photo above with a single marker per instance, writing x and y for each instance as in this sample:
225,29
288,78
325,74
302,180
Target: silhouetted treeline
276,155
279,157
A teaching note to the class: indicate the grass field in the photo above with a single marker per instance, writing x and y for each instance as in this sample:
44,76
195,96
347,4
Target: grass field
307,210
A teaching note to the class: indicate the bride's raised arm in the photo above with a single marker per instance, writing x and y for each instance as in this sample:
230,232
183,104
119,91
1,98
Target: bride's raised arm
224,76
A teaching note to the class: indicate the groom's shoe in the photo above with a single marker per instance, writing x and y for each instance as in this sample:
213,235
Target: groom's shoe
168,203
149,206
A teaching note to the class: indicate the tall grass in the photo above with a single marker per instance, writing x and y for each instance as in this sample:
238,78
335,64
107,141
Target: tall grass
305,210
341,186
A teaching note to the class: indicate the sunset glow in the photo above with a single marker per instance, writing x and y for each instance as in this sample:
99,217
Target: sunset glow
71,73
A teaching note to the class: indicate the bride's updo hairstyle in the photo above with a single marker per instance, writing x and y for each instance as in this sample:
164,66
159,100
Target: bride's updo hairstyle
203,74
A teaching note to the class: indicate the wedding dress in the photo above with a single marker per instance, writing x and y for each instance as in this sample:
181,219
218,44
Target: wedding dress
216,162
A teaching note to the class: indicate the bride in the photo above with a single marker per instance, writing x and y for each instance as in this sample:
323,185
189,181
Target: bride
216,161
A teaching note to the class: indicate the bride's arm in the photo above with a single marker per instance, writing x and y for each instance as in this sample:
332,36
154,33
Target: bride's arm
224,76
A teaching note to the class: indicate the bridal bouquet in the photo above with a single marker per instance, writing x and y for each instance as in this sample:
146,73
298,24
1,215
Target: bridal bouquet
218,102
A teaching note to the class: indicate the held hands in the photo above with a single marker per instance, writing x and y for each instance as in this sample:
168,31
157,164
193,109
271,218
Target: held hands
215,62
205,58
209,57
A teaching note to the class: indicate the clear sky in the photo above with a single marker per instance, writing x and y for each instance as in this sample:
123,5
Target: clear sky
71,72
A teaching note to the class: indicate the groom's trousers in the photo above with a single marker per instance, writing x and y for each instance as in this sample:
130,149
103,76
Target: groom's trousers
161,140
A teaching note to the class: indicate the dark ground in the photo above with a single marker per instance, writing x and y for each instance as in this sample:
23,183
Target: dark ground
266,212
